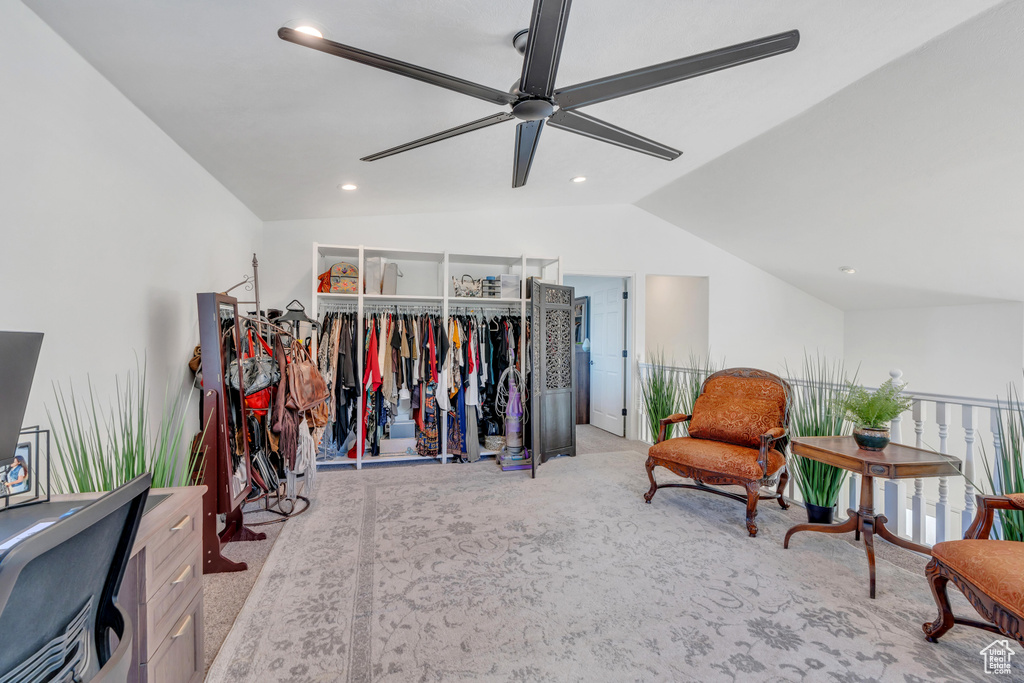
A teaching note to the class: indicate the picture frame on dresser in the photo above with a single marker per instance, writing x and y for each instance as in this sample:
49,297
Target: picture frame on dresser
25,475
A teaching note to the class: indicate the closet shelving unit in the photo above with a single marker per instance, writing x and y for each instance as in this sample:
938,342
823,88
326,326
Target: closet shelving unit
425,282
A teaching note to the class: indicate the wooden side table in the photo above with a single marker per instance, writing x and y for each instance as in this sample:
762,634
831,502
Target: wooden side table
894,462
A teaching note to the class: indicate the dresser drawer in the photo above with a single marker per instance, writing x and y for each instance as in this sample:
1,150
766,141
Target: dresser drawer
179,659
179,530
170,599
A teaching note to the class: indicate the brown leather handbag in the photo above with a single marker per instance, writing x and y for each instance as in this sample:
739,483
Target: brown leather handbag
306,386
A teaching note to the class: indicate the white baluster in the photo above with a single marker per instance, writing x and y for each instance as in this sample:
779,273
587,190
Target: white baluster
896,506
997,461
894,491
853,497
970,429
942,509
918,520
895,431
997,458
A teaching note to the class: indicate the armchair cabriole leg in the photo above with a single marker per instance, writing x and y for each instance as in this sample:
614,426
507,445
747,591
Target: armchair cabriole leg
934,630
783,480
753,495
650,475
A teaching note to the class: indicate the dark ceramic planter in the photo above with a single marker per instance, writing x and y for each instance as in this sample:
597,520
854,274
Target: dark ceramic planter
871,439
818,514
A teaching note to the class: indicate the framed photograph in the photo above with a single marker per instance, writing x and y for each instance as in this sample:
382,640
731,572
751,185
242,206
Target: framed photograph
25,475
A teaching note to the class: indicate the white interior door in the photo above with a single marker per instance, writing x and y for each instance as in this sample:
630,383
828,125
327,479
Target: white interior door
607,341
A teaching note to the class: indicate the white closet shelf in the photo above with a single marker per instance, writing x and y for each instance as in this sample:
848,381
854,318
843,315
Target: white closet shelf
404,255
369,459
401,297
337,295
483,302
482,260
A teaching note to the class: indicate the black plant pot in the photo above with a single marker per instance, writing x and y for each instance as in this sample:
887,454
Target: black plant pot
871,439
818,514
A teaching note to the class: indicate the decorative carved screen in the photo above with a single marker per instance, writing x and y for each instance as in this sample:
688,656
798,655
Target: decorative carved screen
553,387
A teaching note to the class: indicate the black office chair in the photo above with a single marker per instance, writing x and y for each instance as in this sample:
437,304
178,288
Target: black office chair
57,594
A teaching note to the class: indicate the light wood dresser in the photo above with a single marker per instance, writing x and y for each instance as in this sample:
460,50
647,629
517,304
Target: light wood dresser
163,587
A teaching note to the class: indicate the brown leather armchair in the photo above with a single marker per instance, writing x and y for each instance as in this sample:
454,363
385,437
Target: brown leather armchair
989,572
738,433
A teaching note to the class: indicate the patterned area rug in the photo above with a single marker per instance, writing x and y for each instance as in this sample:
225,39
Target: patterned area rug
465,573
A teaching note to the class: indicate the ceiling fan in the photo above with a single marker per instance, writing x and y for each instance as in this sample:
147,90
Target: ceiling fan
534,100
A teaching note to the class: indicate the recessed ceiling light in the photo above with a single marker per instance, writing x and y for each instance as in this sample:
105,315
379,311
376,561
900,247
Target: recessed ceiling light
849,270
580,179
309,30
348,187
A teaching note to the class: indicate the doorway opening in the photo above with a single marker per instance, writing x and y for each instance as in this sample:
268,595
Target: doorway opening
602,344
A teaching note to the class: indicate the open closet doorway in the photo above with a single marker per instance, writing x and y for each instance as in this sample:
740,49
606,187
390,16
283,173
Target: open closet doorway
604,326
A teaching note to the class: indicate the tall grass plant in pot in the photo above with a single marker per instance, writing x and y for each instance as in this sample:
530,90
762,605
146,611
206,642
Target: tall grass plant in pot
100,449
660,391
700,368
1007,476
822,385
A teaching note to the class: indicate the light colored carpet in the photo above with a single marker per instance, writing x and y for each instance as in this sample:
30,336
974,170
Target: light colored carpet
462,572
225,594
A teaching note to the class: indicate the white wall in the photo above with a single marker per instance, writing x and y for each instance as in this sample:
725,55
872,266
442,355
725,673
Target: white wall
107,227
754,318
972,351
677,317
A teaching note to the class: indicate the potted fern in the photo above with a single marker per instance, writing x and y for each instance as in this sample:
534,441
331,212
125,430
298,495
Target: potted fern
823,385
873,411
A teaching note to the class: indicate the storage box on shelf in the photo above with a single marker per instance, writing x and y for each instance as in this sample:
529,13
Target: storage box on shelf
424,279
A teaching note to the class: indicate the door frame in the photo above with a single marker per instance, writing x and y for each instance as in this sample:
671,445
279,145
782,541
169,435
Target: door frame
630,401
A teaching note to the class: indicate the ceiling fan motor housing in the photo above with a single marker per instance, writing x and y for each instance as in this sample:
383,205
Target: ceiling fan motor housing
532,109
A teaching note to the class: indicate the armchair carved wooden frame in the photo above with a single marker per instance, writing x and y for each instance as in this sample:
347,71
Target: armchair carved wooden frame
995,575
770,469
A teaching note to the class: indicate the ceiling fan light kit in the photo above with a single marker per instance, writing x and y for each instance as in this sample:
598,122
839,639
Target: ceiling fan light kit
534,101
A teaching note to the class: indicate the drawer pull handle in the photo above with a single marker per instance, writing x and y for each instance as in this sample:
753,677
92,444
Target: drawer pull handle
181,525
184,625
183,575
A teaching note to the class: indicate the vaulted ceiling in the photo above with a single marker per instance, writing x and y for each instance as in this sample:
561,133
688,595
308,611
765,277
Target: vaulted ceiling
889,140
282,126
913,176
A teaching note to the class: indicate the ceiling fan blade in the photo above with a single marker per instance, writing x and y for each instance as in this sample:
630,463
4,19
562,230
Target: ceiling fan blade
544,46
459,85
527,137
444,135
577,122
638,80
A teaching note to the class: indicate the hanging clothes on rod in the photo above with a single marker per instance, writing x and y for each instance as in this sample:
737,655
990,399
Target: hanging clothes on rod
485,343
401,363
337,355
